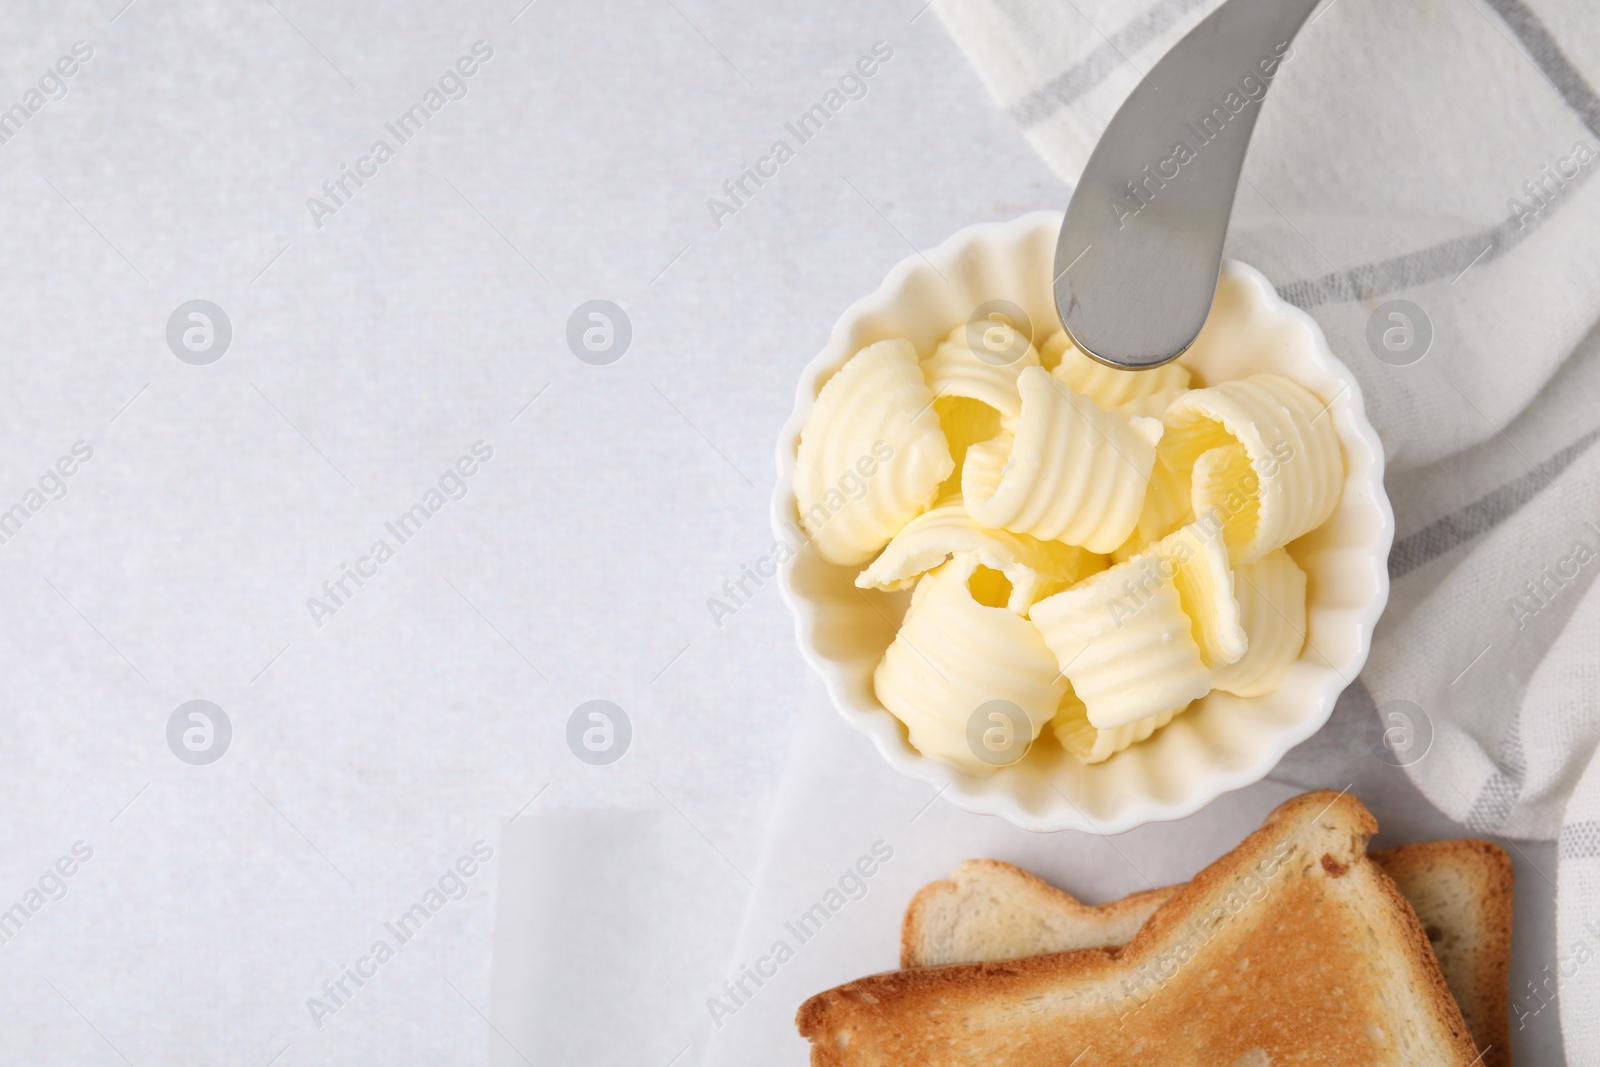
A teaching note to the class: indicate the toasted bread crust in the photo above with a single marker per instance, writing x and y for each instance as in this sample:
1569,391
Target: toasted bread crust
1460,890
1482,989
916,933
1025,1011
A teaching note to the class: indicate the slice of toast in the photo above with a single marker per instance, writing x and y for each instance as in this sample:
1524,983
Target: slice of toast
988,911
1461,891
1293,948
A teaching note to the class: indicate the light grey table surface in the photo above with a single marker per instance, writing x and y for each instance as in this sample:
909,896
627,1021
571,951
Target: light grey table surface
375,745
367,355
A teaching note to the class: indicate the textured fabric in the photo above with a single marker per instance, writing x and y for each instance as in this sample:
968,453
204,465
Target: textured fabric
1439,152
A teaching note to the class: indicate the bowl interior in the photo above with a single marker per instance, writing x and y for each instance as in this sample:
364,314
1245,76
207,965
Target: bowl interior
1222,742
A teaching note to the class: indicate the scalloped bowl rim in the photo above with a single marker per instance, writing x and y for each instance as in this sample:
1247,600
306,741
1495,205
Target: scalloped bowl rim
885,730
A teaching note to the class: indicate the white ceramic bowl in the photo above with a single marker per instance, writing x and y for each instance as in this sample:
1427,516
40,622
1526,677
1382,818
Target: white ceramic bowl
1222,742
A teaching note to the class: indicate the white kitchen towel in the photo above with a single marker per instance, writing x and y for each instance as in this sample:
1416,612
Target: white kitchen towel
1420,181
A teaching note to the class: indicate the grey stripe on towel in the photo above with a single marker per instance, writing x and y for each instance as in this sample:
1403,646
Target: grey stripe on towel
1498,796
1093,69
1449,258
1483,514
1579,841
